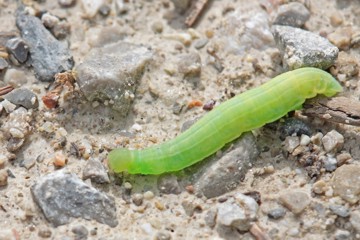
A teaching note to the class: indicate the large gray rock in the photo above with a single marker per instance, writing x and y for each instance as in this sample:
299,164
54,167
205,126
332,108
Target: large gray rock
303,48
221,175
112,73
48,55
62,195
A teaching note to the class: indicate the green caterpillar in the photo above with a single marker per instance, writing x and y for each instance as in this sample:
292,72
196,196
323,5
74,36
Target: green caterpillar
244,112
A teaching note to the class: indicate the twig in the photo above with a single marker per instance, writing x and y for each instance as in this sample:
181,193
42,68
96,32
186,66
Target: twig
195,13
258,233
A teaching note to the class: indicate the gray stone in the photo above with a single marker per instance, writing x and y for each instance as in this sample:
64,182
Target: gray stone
48,55
210,218
292,14
342,235
219,175
346,183
355,220
66,3
238,214
80,231
22,97
28,162
276,213
18,48
62,195
330,164
303,48
112,73
169,184
333,141
295,201
190,65
138,199
95,171
340,210
3,64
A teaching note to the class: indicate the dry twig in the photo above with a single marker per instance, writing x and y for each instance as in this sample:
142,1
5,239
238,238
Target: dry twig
195,12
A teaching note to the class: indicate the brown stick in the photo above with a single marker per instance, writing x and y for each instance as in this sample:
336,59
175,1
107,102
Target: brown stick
195,13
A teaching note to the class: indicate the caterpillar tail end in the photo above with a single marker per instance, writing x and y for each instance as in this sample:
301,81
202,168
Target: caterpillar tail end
333,88
119,160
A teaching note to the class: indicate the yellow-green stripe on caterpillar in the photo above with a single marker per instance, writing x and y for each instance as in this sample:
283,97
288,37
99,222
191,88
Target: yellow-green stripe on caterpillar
247,111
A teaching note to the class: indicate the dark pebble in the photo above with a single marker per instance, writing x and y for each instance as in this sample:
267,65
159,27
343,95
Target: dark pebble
18,48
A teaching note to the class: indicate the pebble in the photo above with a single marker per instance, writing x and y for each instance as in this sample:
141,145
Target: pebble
157,27
44,232
276,213
80,231
3,64
49,56
210,218
8,106
295,201
303,48
162,235
355,220
320,187
293,126
91,7
333,141
18,48
15,77
22,97
346,183
304,140
342,235
330,164
340,210
292,14
219,175
3,160
137,199
346,64
200,43
49,20
112,72
190,65
191,207
148,195
341,37
3,177
28,162
66,191
316,139
291,143
59,160
343,158
233,214
95,171
169,184
9,234
105,10
66,3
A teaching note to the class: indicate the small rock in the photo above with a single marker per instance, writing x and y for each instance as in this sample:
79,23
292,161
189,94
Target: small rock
80,231
341,37
304,140
23,97
61,30
95,171
346,64
340,210
3,64
112,73
66,3
44,232
3,160
342,234
162,235
346,183
191,207
18,48
333,141
292,14
105,10
219,175
303,48
15,77
49,56
291,143
355,220
169,184
137,199
157,27
148,195
276,213
210,218
60,160
62,195
200,43
232,214
8,106
190,65
295,201
91,7
3,177
342,158
294,126
316,139
28,162
49,20
330,164
320,187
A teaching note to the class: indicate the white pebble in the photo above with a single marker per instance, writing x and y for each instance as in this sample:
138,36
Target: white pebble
304,140
136,127
16,133
8,106
148,195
